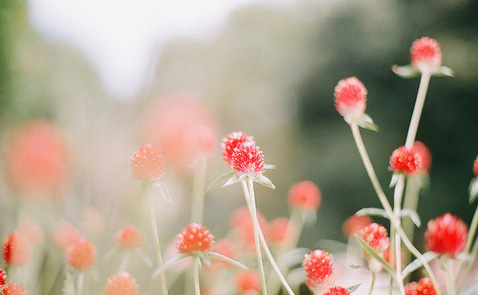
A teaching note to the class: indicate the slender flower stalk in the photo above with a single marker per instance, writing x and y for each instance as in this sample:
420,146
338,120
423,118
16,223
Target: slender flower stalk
410,202
199,186
197,288
417,110
450,283
372,283
398,243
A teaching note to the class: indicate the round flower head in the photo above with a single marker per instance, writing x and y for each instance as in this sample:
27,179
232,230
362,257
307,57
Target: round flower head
336,290
350,98
194,237
318,268
65,235
229,144
376,237
354,224
406,161
446,235
248,159
475,167
425,55
81,254
122,284
129,237
3,278
279,227
15,250
31,230
305,195
13,289
248,282
423,287
146,164
421,149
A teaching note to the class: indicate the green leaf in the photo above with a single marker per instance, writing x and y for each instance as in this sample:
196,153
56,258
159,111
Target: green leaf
407,72
164,192
227,259
444,72
372,212
221,178
374,255
413,216
353,288
265,181
365,121
473,190
416,264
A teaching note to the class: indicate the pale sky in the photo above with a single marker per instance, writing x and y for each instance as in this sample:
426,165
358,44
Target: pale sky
117,36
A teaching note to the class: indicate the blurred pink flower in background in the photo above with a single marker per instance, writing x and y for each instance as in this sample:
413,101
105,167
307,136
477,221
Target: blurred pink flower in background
64,235
354,224
14,289
15,250
31,230
122,284
81,254
129,237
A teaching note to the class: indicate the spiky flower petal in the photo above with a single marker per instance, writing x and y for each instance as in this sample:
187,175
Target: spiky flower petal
230,142
194,237
248,159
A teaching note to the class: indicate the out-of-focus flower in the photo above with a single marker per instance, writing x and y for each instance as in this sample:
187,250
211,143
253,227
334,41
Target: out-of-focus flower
36,160
3,278
15,250
446,235
182,129
279,228
231,142
65,235
81,254
404,160
376,237
31,230
421,149
129,237
350,98
241,222
423,287
475,167
122,284
93,221
305,195
354,224
146,164
318,266
425,55
248,282
336,290
194,237
14,289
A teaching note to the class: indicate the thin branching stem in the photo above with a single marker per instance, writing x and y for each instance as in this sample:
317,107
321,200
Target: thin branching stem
417,110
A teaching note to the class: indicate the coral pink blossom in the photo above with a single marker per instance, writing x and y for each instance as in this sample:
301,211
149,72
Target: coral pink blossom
336,290
194,237
36,160
81,254
31,230
350,98
421,149
404,160
129,237
354,224
122,284
318,266
3,278
248,282
279,234
425,55
231,142
15,250
248,159
475,167
146,164
13,289
305,195
446,235
423,287
64,235
376,237
241,222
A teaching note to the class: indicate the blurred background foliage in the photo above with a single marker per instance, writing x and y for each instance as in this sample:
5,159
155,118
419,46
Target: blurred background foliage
270,71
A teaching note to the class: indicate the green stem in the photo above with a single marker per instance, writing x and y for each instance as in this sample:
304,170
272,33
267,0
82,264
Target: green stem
197,288
371,284
410,202
125,262
450,284
199,186
417,110
398,243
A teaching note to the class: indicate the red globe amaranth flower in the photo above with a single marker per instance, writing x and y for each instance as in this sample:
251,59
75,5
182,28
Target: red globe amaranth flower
406,161
129,237
243,229
279,228
146,164
3,278
305,195
229,144
350,98
15,250
13,289
446,235
423,287
248,282
31,230
425,55
194,237
336,290
122,284
354,224
475,167
36,160
248,159
376,237
421,149
318,266
81,254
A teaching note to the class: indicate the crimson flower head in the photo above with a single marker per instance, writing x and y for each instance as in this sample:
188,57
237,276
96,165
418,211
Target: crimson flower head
16,251
129,237
421,149
404,160
354,224
146,164
14,289
3,278
122,284
425,55
350,98
248,282
194,237
305,195
318,266
248,159
475,167
446,235
376,237
81,254
336,290
423,287
230,143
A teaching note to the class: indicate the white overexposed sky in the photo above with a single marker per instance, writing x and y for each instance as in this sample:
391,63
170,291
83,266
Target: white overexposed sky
118,35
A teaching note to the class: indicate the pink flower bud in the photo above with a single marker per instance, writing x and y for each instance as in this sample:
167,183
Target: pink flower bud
446,235
350,98
81,254
425,55
122,284
194,237
318,266
305,195
15,250
146,164
406,161
129,237
248,282
354,224
243,228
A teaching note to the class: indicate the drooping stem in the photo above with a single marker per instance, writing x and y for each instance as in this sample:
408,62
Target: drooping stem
197,288
250,200
386,205
417,110
397,196
199,185
371,284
